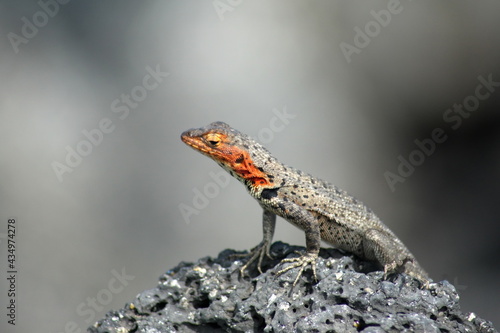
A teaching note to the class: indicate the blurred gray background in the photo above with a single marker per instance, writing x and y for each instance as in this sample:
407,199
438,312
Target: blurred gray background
287,72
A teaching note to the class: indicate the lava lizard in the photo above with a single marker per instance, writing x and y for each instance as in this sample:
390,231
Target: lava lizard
322,210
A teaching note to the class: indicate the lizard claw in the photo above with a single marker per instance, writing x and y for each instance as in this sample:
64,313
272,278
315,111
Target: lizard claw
302,262
257,252
389,269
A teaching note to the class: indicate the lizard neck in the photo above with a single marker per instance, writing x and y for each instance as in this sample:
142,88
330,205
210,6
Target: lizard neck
255,169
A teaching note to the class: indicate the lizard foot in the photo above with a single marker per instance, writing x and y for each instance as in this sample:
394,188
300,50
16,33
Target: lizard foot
302,262
257,252
395,266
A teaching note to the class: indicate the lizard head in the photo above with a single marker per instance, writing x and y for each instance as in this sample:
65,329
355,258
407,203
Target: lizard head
240,155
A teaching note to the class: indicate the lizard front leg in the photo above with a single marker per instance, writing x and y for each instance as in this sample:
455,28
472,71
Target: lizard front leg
268,224
306,221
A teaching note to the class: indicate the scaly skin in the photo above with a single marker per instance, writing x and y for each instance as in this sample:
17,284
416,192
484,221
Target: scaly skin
322,210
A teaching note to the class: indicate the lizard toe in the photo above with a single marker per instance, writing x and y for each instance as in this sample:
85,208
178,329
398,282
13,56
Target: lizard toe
302,262
256,254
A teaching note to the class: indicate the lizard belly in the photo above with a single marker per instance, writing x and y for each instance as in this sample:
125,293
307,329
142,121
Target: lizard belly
340,236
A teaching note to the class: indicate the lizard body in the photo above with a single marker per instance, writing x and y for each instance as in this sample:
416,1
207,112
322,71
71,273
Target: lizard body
321,209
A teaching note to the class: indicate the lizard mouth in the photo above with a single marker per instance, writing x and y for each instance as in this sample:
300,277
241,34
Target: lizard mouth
198,144
193,142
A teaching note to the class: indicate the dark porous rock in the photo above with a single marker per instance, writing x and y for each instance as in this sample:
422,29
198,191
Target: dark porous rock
349,296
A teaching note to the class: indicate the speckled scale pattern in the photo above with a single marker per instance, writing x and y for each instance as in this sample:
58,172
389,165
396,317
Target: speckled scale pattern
313,205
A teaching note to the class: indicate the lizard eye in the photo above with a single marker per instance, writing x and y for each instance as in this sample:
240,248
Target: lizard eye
213,139
213,142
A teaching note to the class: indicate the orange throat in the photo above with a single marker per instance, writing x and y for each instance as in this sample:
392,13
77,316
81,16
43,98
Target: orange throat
241,163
